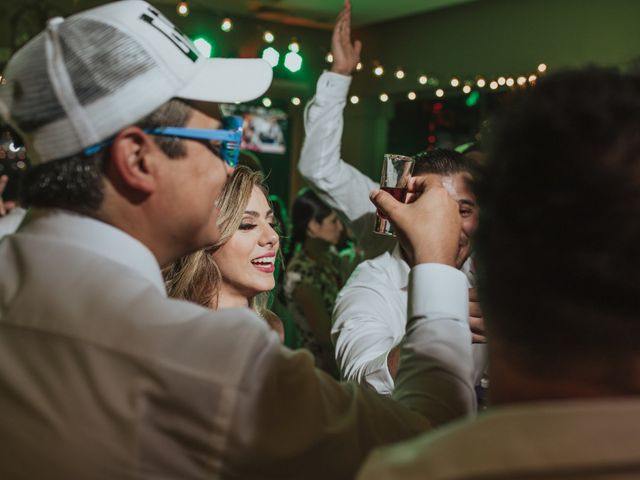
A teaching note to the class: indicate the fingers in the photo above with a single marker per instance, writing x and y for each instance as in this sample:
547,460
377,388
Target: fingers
473,295
384,202
476,325
474,309
357,46
3,183
475,338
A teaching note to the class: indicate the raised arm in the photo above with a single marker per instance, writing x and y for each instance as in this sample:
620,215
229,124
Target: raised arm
339,184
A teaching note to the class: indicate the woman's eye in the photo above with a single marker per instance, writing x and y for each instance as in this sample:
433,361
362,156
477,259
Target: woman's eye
247,226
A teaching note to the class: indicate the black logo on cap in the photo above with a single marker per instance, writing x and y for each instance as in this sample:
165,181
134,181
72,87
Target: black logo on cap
169,30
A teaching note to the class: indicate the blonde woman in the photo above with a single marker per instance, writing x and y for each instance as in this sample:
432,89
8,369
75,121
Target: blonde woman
237,271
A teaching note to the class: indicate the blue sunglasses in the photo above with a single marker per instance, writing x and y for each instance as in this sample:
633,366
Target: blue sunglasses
230,138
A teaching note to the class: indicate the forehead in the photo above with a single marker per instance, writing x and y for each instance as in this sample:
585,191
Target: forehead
461,183
209,118
258,200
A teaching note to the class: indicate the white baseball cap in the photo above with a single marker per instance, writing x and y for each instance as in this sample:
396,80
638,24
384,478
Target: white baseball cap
84,78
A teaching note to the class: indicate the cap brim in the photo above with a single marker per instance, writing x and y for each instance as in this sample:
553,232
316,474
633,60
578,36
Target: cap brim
226,80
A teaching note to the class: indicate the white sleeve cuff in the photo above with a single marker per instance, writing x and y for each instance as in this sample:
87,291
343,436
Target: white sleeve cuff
333,85
434,287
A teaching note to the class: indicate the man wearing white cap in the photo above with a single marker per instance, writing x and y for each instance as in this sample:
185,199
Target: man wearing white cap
101,375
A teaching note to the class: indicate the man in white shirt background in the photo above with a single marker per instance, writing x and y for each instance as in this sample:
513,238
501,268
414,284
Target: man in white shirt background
101,375
370,315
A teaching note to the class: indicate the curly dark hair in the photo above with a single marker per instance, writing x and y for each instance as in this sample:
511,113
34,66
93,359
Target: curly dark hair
559,205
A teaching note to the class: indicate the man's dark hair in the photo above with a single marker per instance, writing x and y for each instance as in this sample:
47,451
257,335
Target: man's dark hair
440,162
76,182
559,228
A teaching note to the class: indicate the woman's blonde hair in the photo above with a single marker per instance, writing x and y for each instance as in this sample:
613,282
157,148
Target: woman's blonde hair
196,277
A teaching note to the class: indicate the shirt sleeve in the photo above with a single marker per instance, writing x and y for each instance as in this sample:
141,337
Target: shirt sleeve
293,421
364,331
343,187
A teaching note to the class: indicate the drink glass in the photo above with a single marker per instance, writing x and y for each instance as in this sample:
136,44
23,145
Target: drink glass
396,172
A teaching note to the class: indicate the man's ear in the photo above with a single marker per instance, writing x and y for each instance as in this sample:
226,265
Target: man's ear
133,160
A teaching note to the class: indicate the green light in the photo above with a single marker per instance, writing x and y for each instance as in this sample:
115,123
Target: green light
472,99
293,61
203,46
271,55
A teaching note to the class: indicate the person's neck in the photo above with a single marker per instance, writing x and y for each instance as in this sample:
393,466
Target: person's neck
315,247
510,384
229,298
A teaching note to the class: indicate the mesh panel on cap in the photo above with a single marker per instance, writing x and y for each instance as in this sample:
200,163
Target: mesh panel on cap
99,58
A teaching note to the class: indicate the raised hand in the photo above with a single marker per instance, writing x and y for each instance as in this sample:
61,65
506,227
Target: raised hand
5,207
346,54
476,322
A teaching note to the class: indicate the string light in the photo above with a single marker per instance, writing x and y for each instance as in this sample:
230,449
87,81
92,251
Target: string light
411,95
532,78
399,74
294,46
521,81
329,58
226,25
203,46
493,85
293,61
510,82
354,99
384,97
455,82
183,9
466,89
542,68
359,66
378,71
439,93
501,81
422,79
481,82
268,37
266,101
272,56
295,101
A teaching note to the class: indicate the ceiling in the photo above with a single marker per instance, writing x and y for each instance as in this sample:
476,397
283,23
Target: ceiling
310,13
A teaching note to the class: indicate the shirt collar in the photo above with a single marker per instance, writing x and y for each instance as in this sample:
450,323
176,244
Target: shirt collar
97,237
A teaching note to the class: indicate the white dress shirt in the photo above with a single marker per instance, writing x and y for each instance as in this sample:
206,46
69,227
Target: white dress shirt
595,439
370,317
10,222
102,376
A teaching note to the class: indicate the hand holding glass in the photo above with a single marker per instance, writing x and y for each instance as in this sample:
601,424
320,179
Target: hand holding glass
396,172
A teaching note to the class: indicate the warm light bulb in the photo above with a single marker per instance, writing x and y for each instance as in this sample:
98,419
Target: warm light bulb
266,101
501,81
411,95
329,58
455,82
532,78
226,25
422,79
294,46
359,66
439,92
399,74
521,80
268,37
481,82
466,89
354,99
542,68
295,101
384,97
493,85
378,70
510,82
183,9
